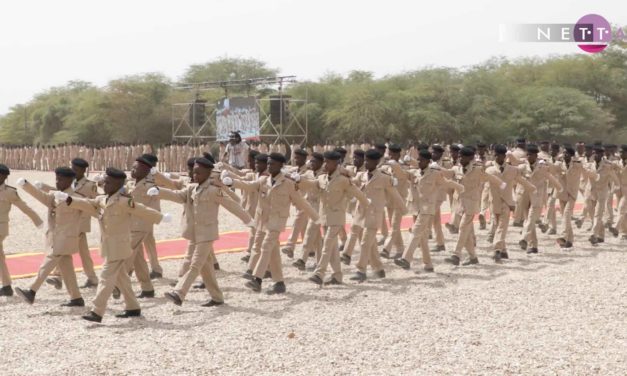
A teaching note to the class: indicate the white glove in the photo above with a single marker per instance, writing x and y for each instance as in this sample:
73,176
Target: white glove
167,218
60,196
39,185
541,161
250,224
369,201
227,181
509,152
394,181
295,176
224,174
154,191
98,178
434,165
153,170
407,159
167,175
20,182
503,185
392,162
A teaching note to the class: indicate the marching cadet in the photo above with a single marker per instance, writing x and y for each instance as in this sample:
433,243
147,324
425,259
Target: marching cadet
88,189
502,202
427,180
621,167
115,211
515,158
200,226
537,171
8,198
378,187
335,190
551,217
597,192
276,193
300,221
150,244
482,157
446,166
470,173
312,243
453,226
62,236
382,148
401,179
570,172
140,228
355,230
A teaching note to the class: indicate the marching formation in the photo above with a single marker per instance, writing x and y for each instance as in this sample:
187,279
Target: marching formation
375,186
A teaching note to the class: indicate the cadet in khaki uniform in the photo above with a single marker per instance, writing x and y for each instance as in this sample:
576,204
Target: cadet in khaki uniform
515,158
115,211
87,189
472,176
570,173
140,228
401,179
335,190
597,192
379,188
150,244
427,180
202,201
537,171
502,201
301,219
62,236
356,231
9,197
445,166
276,193
621,171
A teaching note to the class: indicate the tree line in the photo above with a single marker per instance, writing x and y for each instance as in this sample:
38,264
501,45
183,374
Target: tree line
566,98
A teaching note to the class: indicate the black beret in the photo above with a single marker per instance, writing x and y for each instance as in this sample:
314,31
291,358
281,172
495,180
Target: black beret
610,146
277,157
455,147
340,150
521,140
209,157
318,156
421,146
261,157
500,149
4,170
65,171
544,142
424,153
151,158
481,145
332,155
144,161
555,146
204,162
467,151
373,154
252,154
380,146
623,147
533,148
599,149
115,173
301,152
589,146
191,161
80,162
569,150
359,153
437,148
395,148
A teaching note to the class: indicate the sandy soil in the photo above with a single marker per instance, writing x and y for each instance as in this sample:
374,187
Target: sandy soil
557,312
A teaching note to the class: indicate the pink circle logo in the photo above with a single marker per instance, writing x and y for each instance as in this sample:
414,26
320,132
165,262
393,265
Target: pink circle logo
593,33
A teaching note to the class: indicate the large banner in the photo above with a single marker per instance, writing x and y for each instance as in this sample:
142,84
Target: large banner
237,114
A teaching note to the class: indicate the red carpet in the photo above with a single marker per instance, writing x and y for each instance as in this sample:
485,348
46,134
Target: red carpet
23,265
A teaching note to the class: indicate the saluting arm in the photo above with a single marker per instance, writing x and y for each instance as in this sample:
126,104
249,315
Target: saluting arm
89,206
235,208
43,197
301,204
23,206
143,212
162,181
179,196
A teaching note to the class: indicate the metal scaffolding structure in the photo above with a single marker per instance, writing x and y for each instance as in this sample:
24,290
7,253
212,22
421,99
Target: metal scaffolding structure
195,121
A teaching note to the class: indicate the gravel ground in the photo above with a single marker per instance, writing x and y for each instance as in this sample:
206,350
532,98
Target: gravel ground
557,312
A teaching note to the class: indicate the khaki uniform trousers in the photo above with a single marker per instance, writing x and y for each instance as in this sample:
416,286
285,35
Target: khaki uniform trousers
86,261
4,270
150,244
330,254
298,229
137,262
420,238
530,233
567,219
498,230
65,264
369,254
200,265
466,236
312,241
114,274
395,241
269,256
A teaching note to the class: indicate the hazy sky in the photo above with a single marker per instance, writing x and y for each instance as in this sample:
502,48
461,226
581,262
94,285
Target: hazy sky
47,43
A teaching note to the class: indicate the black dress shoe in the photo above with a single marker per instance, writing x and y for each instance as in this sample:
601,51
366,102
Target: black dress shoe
532,250
452,260
569,245
552,231
490,239
267,274
146,294
482,223
216,266
288,252
199,286
91,316
380,273
246,258
78,302
254,284
56,282
316,279
428,268
497,256
346,259
27,295
543,227
129,313
561,242
173,283
439,248
155,275
613,231
504,255
299,264
116,293
359,277
248,274
402,263
523,244
593,240
332,281
341,248
385,254
89,284
6,291
600,240
174,298
277,288
517,224
212,303
471,261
